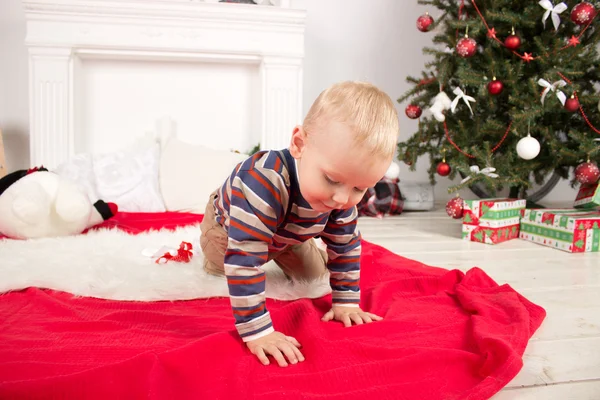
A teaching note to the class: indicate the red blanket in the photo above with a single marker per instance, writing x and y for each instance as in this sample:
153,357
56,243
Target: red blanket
445,335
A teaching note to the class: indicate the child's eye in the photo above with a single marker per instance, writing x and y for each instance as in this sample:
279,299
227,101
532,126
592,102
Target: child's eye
359,190
330,181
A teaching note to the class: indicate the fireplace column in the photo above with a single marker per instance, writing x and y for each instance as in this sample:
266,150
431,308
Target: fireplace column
51,139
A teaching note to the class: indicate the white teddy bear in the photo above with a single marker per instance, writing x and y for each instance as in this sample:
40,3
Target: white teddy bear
441,103
37,203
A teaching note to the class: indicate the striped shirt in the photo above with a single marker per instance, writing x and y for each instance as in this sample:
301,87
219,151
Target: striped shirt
251,206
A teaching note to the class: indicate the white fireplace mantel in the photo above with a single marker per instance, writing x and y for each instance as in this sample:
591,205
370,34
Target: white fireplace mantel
62,33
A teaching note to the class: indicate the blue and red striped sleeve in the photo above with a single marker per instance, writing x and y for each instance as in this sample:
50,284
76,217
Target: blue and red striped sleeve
256,209
343,240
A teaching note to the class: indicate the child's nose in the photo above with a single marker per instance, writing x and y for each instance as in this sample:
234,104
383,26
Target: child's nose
340,197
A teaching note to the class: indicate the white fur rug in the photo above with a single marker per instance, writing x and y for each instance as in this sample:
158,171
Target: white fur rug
112,264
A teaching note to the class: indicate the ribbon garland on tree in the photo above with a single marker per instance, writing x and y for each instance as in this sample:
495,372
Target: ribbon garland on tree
552,12
580,106
496,147
527,57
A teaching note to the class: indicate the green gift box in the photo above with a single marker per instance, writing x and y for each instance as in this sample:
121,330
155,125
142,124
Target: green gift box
588,196
571,230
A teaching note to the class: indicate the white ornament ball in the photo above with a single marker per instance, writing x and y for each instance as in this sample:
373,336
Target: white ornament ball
528,148
393,172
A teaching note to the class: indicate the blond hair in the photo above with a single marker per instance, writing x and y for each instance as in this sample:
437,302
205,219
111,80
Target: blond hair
364,108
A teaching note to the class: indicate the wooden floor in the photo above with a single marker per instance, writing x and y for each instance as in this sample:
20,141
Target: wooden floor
562,360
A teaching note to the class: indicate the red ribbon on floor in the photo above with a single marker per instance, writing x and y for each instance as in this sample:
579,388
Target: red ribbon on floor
184,254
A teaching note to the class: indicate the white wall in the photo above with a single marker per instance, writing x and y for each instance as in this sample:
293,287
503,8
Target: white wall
14,95
345,39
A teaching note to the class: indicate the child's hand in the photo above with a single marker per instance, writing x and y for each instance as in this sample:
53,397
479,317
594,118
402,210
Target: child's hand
275,344
347,314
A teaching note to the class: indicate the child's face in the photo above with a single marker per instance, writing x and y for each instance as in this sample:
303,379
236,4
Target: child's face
333,173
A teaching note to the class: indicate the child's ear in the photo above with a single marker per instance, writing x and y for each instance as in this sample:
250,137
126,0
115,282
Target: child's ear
298,142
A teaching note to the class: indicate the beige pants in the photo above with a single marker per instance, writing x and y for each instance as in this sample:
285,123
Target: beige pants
303,261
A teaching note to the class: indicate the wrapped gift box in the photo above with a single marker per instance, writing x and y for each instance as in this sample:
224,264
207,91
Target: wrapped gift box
588,196
417,196
575,231
492,220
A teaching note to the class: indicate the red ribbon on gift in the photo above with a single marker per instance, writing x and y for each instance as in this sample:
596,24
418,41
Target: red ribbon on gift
184,254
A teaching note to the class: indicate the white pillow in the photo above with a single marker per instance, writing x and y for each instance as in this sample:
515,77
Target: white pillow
190,173
129,178
80,170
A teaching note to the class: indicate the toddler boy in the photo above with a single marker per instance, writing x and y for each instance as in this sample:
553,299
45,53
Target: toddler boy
275,203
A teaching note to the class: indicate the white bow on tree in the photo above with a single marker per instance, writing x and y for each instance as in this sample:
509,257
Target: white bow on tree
489,172
461,95
553,87
553,10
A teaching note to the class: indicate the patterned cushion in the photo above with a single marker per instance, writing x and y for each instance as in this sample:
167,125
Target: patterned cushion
383,199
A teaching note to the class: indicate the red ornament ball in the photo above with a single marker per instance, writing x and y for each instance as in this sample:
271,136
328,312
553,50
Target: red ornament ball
512,42
424,22
455,208
495,87
413,111
583,13
443,168
572,104
466,47
587,173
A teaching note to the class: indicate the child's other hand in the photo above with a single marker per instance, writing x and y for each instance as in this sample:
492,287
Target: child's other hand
347,315
277,345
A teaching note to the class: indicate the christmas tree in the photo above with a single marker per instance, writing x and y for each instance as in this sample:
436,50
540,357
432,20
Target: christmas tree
510,94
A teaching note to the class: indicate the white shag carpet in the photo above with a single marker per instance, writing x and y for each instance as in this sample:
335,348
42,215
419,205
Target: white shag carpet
112,264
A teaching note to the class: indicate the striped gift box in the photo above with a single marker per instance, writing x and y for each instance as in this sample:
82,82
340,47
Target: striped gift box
574,231
492,221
